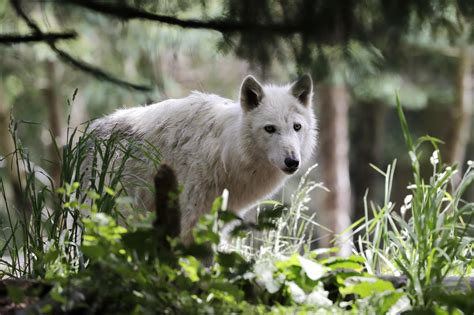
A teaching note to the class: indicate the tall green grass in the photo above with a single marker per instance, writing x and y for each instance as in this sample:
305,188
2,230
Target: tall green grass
430,237
45,230
294,229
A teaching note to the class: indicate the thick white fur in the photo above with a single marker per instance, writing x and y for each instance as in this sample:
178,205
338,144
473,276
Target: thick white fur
214,143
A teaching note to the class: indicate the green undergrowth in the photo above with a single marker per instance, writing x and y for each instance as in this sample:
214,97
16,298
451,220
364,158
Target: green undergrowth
85,242
127,272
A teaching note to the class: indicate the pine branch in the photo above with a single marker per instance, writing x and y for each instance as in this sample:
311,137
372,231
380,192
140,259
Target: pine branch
126,12
313,28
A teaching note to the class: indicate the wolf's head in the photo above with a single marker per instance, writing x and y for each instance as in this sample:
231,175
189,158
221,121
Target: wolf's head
279,122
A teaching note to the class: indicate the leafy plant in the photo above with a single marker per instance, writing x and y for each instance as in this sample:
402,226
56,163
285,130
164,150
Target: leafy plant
142,278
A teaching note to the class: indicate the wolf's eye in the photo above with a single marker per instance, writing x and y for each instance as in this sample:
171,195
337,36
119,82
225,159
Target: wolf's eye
297,126
269,128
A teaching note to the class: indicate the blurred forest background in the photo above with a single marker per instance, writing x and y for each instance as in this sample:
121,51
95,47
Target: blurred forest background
111,54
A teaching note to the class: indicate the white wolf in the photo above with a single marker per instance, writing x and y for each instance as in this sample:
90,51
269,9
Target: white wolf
249,147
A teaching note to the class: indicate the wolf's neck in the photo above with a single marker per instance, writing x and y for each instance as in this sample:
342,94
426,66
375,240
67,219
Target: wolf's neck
238,152
248,178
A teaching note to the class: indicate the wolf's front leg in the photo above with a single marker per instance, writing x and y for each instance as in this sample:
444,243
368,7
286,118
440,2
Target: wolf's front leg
189,218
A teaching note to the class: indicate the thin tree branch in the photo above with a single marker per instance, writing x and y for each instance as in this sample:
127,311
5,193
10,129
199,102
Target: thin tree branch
11,39
67,58
16,5
96,72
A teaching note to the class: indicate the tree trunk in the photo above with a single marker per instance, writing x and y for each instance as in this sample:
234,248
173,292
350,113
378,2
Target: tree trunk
55,120
460,131
366,139
333,151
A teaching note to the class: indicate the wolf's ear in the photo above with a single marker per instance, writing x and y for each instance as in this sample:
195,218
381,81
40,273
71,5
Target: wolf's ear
303,90
251,93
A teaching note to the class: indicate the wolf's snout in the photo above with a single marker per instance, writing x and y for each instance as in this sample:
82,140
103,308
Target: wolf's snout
292,165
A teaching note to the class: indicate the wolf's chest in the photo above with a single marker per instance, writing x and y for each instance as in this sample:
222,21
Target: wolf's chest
246,190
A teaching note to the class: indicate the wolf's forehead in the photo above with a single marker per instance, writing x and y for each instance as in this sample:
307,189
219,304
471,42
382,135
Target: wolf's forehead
282,106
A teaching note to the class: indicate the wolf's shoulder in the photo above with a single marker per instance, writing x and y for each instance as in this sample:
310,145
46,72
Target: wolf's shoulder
196,104
209,98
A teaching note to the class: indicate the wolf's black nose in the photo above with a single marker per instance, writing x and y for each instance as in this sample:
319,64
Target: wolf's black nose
292,164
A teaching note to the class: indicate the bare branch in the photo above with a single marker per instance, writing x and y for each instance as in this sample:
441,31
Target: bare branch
16,5
11,39
96,72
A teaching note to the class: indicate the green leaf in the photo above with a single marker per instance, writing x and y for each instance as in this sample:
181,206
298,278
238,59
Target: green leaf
290,262
404,124
270,213
57,294
291,267
141,241
297,294
46,309
229,260
313,270
216,205
228,288
110,191
190,267
388,300
366,287
94,251
265,275
354,262
227,216
319,297
202,234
